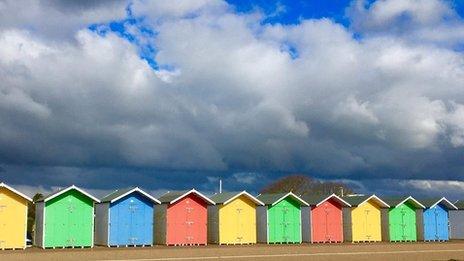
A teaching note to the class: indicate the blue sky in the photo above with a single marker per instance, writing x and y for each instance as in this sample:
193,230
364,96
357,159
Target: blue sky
176,95
291,12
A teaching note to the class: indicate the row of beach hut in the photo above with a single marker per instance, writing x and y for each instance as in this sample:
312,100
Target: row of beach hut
72,217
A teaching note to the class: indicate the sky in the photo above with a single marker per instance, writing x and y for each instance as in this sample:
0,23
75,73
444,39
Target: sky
177,94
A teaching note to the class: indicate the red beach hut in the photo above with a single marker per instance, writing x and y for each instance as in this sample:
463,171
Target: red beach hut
326,217
182,218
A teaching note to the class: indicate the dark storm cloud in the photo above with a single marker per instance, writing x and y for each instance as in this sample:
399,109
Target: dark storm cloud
228,99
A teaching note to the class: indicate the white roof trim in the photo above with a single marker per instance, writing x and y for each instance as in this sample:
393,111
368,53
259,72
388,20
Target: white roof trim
257,201
291,195
196,192
3,185
410,198
136,189
334,196
444,199
376,198
70,188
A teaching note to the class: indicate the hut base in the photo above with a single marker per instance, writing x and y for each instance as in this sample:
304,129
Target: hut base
283,243
436,241
12,248
63,247
190,244
326,242
366,241
116,246
238,243
403,241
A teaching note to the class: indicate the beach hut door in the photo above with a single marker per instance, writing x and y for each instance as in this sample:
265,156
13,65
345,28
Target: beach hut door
441,216
71,207
2,219
437,218
286,223
133,222
189,221
239,212
327,210
403,223
367,224
2,225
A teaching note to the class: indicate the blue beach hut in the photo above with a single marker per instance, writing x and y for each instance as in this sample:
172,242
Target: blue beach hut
436,219
125,218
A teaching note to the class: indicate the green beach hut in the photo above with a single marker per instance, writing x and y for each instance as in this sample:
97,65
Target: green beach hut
403,218
65,218
279,221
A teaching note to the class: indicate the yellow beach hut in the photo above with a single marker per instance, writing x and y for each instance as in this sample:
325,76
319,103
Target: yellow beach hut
13,218
233,219
363,220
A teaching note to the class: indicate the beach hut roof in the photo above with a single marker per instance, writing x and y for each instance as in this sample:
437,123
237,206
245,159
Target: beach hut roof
174,196
61,191
459,204
357,200
397,201
120,193
226,197
3,185
432,202
317,200
274,198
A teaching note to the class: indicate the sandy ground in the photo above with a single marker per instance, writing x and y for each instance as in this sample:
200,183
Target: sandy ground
376,252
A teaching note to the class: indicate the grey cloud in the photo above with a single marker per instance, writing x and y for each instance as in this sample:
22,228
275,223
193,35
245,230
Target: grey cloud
57,20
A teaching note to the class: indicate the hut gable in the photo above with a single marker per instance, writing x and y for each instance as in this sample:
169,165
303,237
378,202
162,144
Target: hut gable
121,193
226,197
5,186
432,202
172,197
275,198
317,200
63,191
394,202
356,201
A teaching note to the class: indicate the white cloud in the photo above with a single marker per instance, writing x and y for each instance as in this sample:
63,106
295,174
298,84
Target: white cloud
433,21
